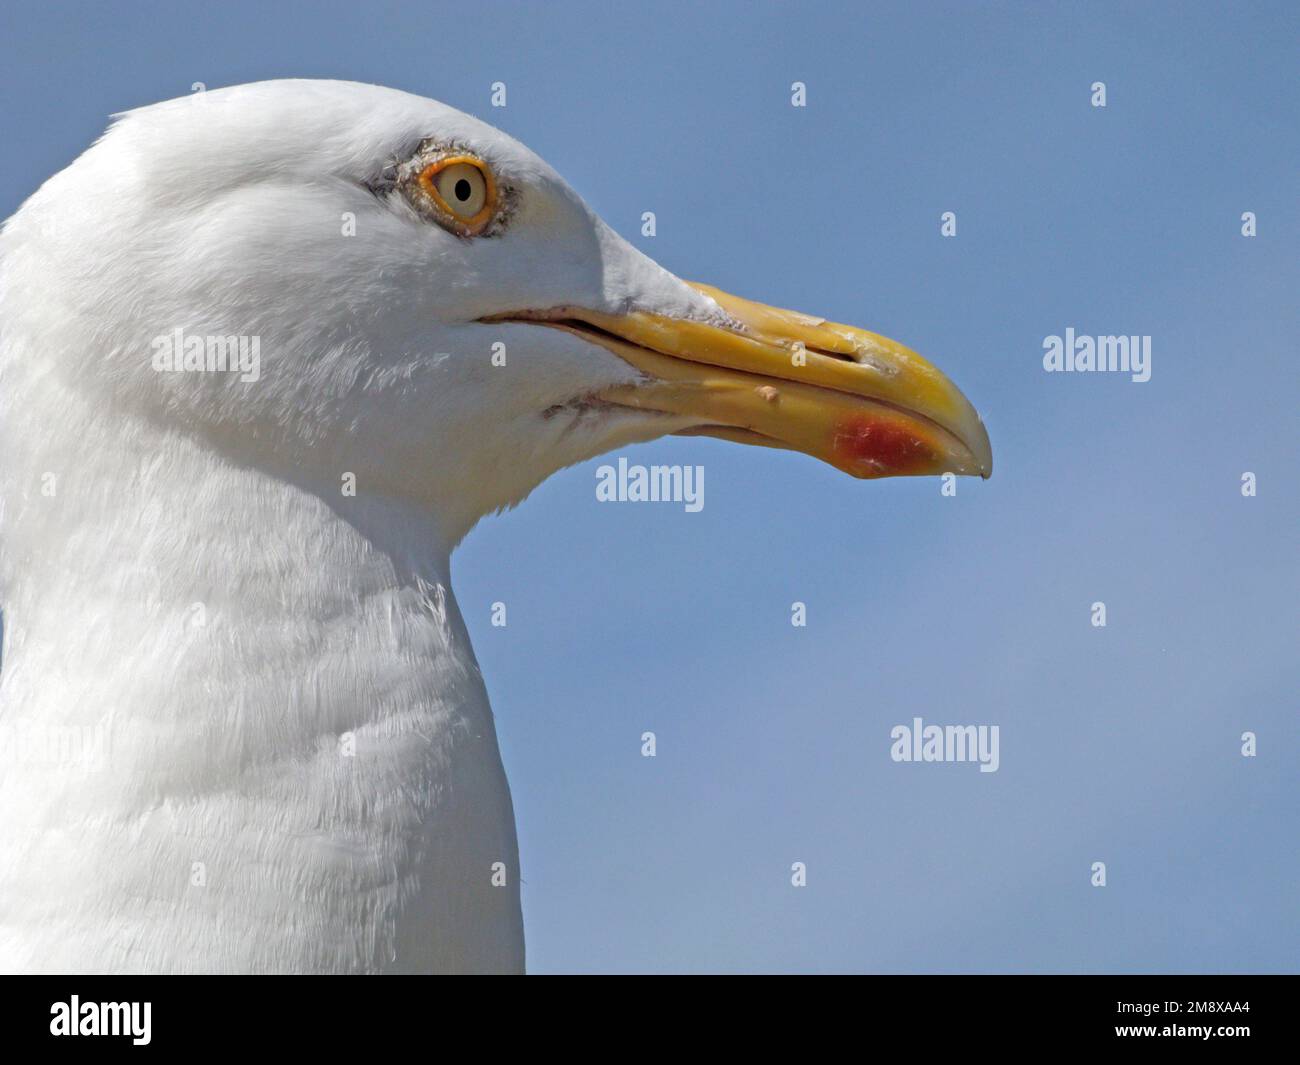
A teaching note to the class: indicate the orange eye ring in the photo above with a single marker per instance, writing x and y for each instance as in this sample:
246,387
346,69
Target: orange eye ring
466,225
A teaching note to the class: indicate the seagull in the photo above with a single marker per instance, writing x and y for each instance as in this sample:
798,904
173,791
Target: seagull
267,354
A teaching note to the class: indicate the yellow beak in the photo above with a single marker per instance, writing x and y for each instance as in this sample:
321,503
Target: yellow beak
863,403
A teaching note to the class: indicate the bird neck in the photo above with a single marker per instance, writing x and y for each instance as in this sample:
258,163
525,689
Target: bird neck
273,691
167,552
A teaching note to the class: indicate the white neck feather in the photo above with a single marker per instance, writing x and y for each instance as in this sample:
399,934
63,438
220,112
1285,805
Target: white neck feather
244,727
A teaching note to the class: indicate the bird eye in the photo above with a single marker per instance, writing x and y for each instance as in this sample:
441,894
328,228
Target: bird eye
465,191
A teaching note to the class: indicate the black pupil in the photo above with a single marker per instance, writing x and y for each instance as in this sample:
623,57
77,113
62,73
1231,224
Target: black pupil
463,190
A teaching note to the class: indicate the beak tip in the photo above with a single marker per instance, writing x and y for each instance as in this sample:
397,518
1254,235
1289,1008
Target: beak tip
983,451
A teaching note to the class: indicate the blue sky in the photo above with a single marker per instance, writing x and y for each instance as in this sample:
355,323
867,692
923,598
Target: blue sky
1119,744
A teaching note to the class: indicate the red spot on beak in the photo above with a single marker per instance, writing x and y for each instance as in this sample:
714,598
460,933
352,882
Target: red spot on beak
883,445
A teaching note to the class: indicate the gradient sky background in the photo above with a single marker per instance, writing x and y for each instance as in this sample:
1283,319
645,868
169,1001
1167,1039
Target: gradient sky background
1119,744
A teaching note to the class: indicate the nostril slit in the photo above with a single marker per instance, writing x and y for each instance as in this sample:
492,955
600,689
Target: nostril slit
837,355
